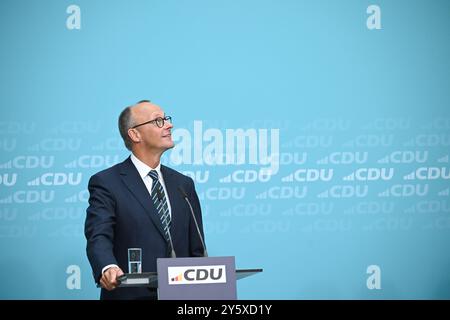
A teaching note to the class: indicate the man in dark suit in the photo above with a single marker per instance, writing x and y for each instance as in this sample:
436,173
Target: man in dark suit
138,204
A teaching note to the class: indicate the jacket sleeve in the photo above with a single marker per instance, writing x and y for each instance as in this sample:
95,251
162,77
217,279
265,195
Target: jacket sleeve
99,226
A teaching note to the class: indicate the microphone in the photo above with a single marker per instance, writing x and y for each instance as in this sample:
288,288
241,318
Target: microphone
172,252
183,193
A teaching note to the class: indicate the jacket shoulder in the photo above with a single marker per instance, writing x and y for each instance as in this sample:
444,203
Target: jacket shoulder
109,172
176,174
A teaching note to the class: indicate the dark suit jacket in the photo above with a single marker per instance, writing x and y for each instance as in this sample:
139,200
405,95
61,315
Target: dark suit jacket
121,215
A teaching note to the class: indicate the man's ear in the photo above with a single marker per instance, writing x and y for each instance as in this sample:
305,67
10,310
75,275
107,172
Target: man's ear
134,135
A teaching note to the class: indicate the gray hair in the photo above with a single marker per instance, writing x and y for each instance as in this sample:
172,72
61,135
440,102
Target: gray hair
126,121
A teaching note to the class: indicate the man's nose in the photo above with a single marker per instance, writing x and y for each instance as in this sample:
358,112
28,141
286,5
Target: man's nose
168,125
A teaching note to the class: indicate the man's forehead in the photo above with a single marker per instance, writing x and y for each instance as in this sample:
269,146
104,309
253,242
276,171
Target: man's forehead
147,108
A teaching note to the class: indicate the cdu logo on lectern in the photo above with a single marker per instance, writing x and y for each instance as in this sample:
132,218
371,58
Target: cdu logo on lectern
197,274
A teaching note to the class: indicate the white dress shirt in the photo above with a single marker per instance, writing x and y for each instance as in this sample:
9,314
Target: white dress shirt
143,170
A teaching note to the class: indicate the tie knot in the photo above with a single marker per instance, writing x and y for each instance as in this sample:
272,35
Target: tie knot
153,174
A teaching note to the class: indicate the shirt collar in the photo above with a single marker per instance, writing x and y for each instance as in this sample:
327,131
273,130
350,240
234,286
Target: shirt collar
144,169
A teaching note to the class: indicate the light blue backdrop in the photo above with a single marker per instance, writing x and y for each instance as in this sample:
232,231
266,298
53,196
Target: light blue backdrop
355,121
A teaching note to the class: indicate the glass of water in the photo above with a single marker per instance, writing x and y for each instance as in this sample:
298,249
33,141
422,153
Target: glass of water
134,260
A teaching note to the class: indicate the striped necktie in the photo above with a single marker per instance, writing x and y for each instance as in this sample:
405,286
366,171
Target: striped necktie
160,201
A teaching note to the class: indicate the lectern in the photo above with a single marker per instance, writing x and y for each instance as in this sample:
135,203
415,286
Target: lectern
206,278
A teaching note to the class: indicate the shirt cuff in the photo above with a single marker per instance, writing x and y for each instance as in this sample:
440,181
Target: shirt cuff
109,266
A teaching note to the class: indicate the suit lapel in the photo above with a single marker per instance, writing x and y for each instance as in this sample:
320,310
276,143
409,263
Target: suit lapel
134,183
